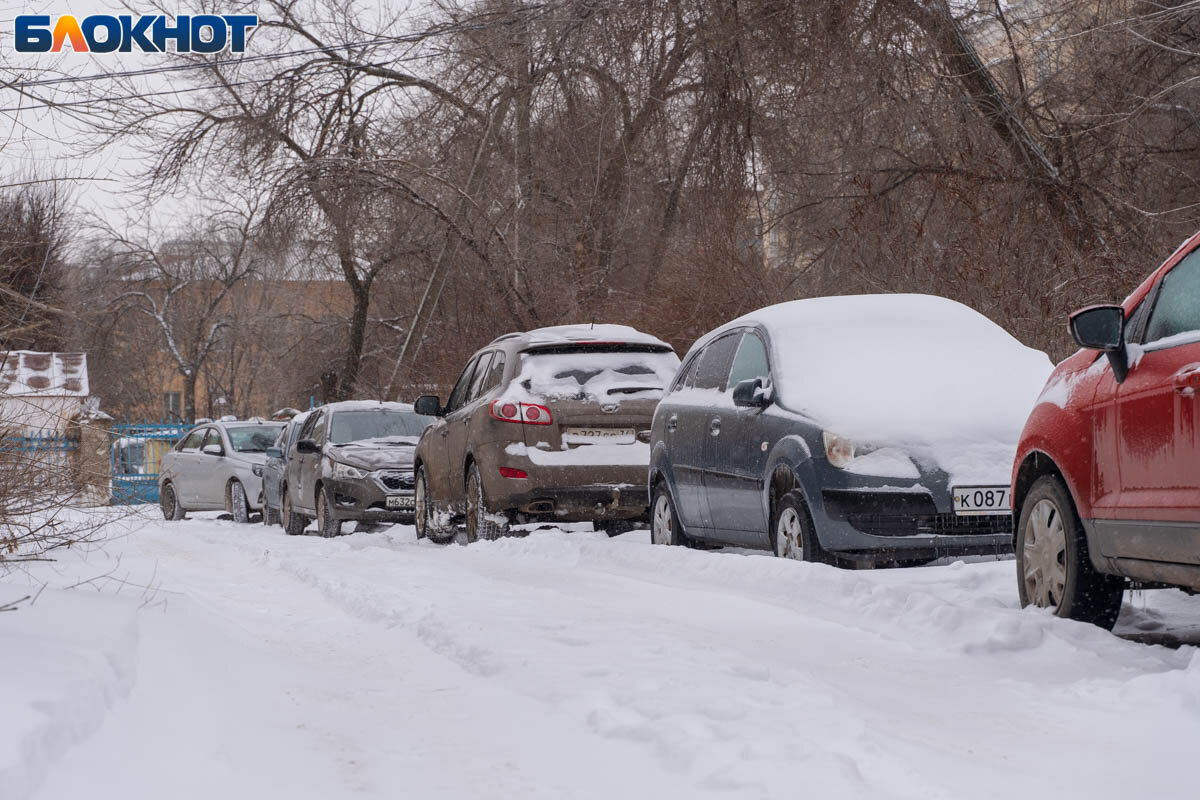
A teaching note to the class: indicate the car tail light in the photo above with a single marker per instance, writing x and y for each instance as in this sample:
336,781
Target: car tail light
511,472
524,413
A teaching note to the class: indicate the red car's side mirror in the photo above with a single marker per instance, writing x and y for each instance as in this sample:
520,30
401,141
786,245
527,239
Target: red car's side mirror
1103,328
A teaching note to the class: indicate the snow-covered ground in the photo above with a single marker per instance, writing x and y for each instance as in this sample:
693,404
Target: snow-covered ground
219,660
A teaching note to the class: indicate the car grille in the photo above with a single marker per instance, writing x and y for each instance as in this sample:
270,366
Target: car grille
395,480
931,524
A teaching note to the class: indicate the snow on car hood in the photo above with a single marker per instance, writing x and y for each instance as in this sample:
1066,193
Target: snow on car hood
373,454
923,373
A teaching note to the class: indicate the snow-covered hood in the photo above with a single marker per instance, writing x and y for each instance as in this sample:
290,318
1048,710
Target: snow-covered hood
926,375
373,456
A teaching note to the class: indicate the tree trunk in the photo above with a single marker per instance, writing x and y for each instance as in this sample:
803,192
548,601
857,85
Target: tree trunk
344,388
189,395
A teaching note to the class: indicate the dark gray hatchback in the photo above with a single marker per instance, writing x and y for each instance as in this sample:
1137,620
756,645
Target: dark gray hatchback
845,430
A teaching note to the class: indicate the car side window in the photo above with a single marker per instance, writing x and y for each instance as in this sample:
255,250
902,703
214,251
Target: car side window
750,361
714,362
1177,308
684,378
495,374
481,373
318,431
192,440
458,395
310,425
212,436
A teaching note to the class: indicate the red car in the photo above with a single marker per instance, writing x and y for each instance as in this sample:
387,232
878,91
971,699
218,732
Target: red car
1106,484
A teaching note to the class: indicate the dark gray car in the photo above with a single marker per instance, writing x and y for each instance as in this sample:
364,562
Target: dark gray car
351,461
845,430
275,468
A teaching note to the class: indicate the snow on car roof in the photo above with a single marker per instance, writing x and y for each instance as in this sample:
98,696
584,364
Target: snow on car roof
904,369
567,334
367,405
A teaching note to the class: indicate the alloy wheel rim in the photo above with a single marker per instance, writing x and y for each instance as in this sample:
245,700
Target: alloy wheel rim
1044,555
168,501
660,530
789,542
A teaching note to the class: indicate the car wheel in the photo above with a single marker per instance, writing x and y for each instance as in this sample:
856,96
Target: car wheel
294,522
270,515
425,517
665,527
327,524
169,502
792,532
480,523
1053,567
235,502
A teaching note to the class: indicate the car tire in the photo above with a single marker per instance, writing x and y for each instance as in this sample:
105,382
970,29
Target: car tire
270,515
1054,569
235,502
328,525
792,532
293,521
480,524
665,527
425,518
168,501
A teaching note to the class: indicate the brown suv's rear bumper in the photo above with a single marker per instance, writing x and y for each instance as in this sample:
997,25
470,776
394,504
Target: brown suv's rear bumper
581,503
579,492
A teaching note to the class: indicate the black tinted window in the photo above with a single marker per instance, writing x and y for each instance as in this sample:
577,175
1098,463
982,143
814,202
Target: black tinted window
750,361
481,372
714,362
495,374
458,395
1177,309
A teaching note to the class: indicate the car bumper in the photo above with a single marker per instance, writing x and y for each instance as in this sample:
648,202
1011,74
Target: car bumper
872,522
568,492
366,501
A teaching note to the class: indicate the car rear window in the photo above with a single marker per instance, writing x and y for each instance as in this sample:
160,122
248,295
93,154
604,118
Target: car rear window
577,373
253,438
357,426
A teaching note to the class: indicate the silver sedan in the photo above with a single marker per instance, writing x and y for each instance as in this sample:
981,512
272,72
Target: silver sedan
216,466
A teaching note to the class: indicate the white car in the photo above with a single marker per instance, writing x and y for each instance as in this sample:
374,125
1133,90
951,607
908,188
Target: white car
217,465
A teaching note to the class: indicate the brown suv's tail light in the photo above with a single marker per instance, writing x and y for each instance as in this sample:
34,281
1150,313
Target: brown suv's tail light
512,472
524,413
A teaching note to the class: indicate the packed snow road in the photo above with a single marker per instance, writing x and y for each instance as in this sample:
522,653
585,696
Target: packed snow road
221,660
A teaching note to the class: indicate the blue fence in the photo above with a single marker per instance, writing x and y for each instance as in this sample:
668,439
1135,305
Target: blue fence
137,451
50,450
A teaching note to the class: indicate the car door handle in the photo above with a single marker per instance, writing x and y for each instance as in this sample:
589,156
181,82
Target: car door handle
714,427
1187,380
672,423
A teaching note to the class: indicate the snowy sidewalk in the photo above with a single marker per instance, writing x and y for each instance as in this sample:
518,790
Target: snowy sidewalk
568,665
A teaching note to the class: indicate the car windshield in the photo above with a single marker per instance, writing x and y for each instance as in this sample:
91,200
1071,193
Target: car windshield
598,373
388,426
253,438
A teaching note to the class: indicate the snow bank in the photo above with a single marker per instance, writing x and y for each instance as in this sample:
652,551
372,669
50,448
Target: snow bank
64,661
924,373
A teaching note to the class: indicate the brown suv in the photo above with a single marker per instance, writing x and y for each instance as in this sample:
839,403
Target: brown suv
552,424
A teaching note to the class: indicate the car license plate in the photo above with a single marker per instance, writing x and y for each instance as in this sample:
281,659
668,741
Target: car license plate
592,435
970,500
401,501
